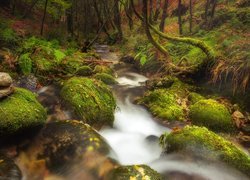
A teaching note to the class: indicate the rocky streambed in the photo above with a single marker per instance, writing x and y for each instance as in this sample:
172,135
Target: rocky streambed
97,127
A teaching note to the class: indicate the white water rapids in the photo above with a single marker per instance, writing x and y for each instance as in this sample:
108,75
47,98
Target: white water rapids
134,138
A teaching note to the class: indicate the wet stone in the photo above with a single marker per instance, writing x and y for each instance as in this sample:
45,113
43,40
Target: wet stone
8,169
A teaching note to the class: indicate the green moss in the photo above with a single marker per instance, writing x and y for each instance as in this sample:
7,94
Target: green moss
211,114
106,78
137,172
91,100
84,71
163,104
195,97
19,112
25,63
103,69
199,141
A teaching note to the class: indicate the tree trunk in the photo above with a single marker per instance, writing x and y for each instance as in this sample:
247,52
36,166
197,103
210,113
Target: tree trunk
206,10
117,19
151,11
190,16
146,26
179,17
30,8
44,15
164,16
129,13
157,11
213,8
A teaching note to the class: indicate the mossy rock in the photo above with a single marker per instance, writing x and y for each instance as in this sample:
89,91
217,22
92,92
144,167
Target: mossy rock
84,71
103,69
66,143
106,78
8,169
211,114
165,82
91,100
137,172
20,112
195,97
163,104
199,141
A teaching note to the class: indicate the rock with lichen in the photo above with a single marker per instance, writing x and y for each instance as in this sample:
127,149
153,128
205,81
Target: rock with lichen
20,112
199,141
133,172
211,114
91,100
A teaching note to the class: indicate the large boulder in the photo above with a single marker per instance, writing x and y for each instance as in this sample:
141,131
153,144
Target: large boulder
199,141
133,172
68,148
20,112
91,100
5,79
211,114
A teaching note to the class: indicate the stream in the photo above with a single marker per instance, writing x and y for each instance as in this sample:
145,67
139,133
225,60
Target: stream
134,136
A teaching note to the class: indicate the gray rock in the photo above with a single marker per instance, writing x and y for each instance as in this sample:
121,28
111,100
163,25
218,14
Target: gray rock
6,91
5,79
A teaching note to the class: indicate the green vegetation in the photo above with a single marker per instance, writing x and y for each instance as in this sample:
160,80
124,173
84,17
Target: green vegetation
20,112
103,69
199,141
211,114
91,100
195,97
133,172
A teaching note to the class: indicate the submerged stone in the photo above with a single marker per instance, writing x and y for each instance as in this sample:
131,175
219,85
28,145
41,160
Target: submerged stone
91,100
71,142
20,112
199,141
8,169
211,114
133,172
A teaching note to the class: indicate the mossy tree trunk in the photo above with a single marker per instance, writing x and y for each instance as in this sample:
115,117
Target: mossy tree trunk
190,16
117,19
157,10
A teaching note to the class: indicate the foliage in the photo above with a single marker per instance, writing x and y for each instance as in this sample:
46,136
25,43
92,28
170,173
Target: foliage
91,100
103,69
25,63
84,71
7,36
199,141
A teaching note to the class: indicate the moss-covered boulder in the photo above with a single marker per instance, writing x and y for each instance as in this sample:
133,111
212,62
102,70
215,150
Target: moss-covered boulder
195,97
211,114
199,141
8,169
106,78
103,69
84,71
91,100
20,112
163,104
137,172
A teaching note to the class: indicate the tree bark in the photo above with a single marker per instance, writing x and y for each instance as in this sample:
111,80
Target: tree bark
164,16
44,15
190,16
157,10
151,11
179,17
117,19
206,10
213,8
146,26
